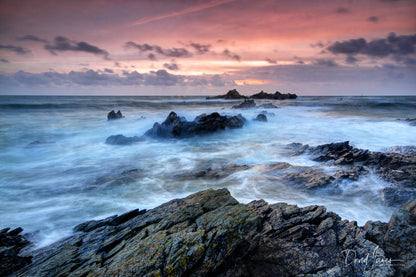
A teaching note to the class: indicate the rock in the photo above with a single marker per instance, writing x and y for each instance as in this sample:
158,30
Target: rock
211,173
261,117
247,104
268,106
308,178
411,121
399,240
122,140
210,234
402,149
396,196
276,96
10,245
114,115
176,127
231,94
268,113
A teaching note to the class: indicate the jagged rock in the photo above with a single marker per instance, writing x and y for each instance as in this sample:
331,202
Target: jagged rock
268,106
351,173
177,127
114,115
247,104
308,179
231,94
411,121
276,96
11,242
261,117
396,196
210,234
211,173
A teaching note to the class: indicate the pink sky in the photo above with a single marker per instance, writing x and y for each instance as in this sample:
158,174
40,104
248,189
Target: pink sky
208,47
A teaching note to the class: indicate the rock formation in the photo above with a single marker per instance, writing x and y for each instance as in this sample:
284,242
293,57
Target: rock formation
210,234
231,94
114,115
247,104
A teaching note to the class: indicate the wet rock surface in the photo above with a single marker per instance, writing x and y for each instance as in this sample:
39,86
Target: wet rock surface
114,115
11,242
247,104
210,234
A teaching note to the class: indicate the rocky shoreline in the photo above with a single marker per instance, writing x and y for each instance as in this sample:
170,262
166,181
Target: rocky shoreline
210,234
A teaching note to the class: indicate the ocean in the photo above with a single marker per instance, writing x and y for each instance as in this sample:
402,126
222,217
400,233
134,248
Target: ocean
56,170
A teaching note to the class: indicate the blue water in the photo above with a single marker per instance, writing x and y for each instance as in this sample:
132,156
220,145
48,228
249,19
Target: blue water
56,171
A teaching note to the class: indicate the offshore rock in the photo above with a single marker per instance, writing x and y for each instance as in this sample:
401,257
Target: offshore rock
114,115
122,140
210,234
231,94
247,104
276,96
178,127
268,106
261,117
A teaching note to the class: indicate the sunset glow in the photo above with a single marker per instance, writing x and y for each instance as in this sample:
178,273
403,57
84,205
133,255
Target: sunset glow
307,47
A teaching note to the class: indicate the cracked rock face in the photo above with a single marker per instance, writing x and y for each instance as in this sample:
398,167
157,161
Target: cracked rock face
210,234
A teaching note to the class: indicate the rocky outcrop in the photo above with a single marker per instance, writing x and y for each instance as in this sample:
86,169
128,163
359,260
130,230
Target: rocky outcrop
276,96
178,127
11,242
261,117
114,115
210,234
231,94
247,104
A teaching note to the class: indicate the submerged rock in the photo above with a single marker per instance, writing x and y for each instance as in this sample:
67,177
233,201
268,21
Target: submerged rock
114,115
122,140
268,106
247,104
261,117
210,234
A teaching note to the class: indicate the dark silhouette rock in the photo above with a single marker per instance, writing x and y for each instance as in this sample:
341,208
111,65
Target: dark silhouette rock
261,117
114,115
231,94
276,96
122,140
11,242
210,234
247,104
177,127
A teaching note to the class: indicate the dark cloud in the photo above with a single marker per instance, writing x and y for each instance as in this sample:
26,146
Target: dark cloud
62,44
271,61
106,78
351,59
117,64
325,62
107,70
200,48
171,66
32,38
342,10
4,61
379,48
152,57
319,44
172,52
373,19
17,49
233,56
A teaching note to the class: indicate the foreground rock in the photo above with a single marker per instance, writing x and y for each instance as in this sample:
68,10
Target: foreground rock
210,234
178,127
114,115
11,242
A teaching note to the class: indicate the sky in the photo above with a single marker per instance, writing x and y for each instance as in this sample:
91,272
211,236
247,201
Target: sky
196,47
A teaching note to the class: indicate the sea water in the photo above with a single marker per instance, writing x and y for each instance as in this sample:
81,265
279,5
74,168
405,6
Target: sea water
56,170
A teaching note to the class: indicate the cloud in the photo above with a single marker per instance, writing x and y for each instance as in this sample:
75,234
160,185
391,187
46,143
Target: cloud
172,52
32,38
233,56
200,48
351,59
342,10
4,61
325,62
107,70
152,57
17,49
373,19
271,61
319,44
171,66
107,79
62,44
379,48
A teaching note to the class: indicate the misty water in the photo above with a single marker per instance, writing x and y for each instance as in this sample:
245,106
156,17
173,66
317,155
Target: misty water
56,170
